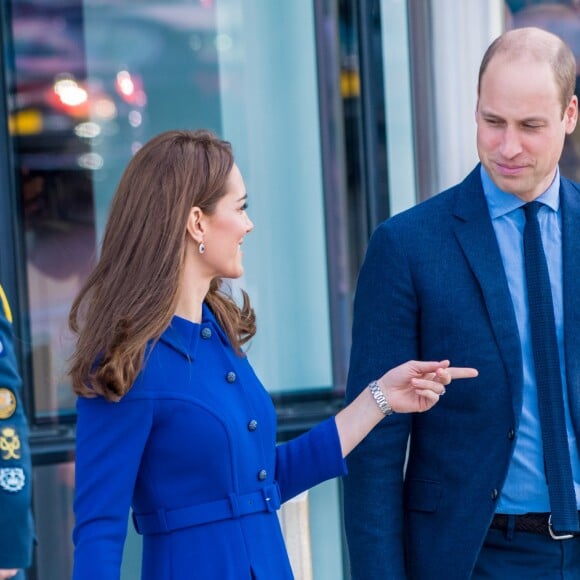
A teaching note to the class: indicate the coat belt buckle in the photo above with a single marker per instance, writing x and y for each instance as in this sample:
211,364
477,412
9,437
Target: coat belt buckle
555,536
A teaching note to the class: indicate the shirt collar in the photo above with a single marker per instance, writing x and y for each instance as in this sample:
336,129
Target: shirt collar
501,203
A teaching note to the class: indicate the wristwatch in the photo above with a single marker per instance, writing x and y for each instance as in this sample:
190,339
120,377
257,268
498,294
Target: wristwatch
380,398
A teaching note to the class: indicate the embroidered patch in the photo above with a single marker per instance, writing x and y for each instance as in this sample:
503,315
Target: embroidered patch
9,443
12,479
7,403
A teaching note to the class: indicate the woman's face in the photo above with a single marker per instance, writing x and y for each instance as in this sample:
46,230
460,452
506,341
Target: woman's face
225,230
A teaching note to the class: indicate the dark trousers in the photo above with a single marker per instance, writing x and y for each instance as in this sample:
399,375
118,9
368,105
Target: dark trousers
514,555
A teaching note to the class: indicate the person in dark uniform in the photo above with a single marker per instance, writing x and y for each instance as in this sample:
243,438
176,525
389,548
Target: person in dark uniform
172,420
16,525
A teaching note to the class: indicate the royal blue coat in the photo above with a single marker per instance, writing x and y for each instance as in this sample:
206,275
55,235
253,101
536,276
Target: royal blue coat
192,449
16,526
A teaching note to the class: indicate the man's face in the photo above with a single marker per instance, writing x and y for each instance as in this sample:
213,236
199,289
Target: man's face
520,127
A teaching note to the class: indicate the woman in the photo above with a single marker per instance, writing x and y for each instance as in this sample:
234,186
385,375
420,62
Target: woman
172,420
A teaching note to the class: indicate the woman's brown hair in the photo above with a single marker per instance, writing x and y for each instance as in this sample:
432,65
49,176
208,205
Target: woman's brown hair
129,298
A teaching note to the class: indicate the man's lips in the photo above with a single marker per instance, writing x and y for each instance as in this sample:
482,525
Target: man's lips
507,169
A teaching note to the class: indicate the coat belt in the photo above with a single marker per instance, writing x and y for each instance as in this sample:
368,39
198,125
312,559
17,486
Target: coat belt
163,521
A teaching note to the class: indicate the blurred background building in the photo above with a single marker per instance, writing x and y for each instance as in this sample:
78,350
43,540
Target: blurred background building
341,113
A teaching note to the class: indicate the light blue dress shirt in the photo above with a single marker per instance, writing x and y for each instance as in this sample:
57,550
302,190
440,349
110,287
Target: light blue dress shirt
525,489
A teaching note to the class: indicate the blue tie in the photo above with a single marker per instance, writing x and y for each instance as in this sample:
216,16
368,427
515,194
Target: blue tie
564,512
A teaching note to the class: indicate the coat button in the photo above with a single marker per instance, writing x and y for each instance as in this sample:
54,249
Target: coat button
231,377
511,434
252,425
262,474
206,332
494,494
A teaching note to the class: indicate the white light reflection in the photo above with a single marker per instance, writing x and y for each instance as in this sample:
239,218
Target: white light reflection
88,130
125,83
135,118
69,92
92,161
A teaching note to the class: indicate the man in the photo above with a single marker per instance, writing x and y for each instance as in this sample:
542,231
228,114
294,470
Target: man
16,528
447,279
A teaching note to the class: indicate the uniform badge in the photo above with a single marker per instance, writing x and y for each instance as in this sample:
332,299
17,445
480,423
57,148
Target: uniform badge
9,443
7,403
12,478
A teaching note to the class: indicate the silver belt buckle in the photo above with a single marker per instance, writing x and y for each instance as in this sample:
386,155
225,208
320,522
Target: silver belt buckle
557,536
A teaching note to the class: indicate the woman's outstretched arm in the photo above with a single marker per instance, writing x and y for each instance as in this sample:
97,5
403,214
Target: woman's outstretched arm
412,387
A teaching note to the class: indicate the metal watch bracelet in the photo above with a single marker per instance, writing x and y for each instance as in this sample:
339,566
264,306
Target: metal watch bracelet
380,398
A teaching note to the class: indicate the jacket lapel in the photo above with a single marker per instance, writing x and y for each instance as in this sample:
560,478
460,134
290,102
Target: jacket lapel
476,236
570,200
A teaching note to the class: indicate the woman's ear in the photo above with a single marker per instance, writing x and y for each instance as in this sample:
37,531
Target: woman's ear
196,224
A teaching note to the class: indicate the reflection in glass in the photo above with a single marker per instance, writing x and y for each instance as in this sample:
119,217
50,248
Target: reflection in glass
50,99
93,80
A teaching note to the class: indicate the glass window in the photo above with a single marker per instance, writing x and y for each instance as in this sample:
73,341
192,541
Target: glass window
49,110
447,41
89,82
81,104
398,104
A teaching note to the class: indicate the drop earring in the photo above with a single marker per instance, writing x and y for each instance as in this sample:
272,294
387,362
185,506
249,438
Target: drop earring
201,247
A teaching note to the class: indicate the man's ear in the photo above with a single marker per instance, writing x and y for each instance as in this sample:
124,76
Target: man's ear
571,115
196,224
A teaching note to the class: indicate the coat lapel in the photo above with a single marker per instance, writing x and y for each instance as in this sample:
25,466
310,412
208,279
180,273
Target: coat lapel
476,236
570,200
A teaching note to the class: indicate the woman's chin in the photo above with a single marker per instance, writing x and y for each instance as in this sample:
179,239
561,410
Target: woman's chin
234,274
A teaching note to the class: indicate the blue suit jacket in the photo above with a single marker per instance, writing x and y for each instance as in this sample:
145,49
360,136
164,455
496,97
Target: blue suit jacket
193,438
433,287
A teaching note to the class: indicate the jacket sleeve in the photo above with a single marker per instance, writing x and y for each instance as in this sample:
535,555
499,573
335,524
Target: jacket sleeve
309,459
385,331
16,526
110,441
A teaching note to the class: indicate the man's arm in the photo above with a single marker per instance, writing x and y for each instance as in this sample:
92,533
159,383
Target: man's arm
385,334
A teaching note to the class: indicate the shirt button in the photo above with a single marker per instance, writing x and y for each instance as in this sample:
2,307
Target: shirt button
511,434
206,332
252,425
231,377
494,494
262,474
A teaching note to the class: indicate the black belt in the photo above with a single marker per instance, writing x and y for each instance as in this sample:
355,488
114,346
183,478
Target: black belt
163,521
534,523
